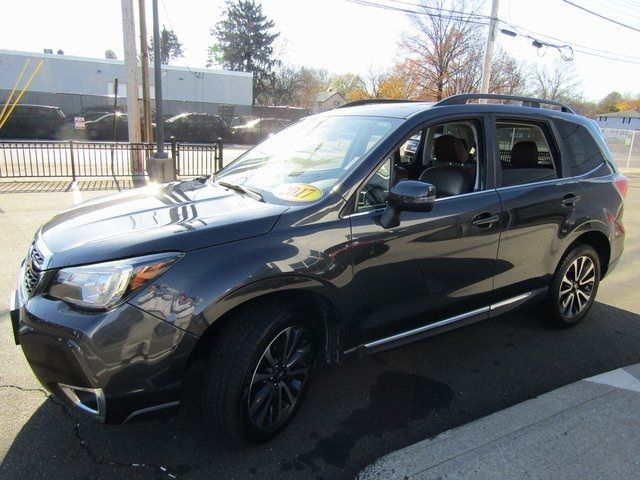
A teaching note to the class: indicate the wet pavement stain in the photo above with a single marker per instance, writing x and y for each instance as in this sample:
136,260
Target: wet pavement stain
395,400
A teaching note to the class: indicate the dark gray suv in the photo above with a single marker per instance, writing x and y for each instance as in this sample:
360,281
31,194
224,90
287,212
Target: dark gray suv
321,242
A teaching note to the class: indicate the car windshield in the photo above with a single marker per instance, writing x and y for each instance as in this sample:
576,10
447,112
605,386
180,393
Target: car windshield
304,161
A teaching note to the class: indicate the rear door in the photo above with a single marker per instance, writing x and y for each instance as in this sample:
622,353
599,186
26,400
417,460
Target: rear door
540,203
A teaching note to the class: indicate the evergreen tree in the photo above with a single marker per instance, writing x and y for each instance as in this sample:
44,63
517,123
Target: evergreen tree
245,43
170,46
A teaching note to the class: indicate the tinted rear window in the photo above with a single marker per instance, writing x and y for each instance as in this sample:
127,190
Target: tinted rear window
583,153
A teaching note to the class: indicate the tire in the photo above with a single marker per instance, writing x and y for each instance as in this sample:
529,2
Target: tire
568,300
247,395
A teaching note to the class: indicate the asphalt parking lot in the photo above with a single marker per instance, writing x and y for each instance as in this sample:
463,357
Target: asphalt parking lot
354,413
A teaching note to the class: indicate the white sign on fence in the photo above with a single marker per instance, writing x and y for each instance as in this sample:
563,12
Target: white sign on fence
78,122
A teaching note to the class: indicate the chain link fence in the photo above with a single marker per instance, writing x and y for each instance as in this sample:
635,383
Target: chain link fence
624,146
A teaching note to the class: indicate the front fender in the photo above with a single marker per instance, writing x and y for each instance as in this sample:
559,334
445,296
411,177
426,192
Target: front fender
279,284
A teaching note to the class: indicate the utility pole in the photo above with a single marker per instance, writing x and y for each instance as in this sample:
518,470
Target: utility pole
160,166
130,67
144,54
488,53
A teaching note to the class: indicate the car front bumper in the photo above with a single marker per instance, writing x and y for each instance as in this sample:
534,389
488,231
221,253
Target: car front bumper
116,366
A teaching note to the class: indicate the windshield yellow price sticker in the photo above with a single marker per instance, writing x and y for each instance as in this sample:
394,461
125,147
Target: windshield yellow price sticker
298,192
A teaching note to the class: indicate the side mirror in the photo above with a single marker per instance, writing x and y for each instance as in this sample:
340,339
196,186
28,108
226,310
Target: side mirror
409,195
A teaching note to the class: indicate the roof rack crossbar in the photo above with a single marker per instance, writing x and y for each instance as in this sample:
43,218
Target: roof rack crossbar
463,98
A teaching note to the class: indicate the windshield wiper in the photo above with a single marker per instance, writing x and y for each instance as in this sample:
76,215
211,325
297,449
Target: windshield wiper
240,189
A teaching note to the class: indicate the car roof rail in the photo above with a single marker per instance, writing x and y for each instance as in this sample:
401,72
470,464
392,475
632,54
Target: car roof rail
371,101
464,98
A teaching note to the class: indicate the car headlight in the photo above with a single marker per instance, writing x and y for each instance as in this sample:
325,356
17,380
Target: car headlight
102,285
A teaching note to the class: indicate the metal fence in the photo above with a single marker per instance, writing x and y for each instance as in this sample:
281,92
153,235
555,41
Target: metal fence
80,159
624,146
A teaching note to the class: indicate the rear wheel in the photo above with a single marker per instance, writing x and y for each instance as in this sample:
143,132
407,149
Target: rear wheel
574,287
258,372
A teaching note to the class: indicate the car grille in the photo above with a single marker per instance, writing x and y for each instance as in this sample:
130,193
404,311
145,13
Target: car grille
36,257
32,270
30,280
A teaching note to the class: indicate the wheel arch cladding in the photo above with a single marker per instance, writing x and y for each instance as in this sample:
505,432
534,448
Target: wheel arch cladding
324,312
600,243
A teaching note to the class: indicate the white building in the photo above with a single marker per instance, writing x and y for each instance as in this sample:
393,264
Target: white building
625,120
76,82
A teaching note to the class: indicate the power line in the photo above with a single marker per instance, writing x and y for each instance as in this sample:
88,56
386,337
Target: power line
467,18
459,12
517,27
565,51
601,16
617,8
607,57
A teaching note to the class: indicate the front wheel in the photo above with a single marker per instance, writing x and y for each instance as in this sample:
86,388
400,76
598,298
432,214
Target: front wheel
574,287
258,372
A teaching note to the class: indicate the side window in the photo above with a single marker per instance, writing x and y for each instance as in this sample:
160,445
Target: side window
583,153
454,158
374,194
525,153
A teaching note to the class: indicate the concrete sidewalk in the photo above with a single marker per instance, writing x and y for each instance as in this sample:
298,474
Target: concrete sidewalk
586,430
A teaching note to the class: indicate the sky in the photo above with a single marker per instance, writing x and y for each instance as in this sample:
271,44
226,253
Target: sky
340,36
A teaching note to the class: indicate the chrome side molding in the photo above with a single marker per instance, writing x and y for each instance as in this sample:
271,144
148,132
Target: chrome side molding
449,323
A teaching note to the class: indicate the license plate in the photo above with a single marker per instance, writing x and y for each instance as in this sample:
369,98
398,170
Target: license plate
14,312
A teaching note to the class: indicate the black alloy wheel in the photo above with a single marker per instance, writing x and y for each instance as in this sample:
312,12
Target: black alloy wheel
259,371
279,378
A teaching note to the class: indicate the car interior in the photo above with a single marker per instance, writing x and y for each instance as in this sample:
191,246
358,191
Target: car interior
525,155
445,155
448,156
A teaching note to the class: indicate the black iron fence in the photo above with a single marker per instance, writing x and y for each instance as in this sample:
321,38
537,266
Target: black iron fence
80,159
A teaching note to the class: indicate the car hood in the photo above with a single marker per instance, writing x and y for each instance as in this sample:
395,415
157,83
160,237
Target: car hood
179,216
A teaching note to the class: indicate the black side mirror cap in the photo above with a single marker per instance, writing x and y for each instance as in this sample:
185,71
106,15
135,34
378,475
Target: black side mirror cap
409,195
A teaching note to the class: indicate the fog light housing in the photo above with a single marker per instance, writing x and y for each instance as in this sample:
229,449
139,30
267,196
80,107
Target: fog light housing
88,400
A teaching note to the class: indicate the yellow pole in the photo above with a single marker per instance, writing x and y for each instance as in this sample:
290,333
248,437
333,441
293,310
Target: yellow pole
3,121
6,104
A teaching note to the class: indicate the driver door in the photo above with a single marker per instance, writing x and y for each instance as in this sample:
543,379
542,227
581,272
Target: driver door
435,265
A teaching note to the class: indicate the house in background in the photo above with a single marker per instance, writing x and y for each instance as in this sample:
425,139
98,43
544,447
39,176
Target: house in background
625,120
327,101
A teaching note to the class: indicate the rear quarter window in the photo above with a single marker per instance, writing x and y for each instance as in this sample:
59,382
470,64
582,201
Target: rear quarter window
582,151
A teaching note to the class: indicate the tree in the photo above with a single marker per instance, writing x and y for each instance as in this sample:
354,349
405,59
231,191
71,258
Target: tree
609,103
110,55
287,86
628,104
508,76
245,43
556,82
346,83
314,81
444,49
170,46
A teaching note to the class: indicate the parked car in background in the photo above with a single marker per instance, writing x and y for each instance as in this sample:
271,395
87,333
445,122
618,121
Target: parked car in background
102,127
257,129
320,243
240,120
96,111
195,127
33,121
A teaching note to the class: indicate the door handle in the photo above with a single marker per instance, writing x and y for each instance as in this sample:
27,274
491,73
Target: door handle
484,220
569,200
